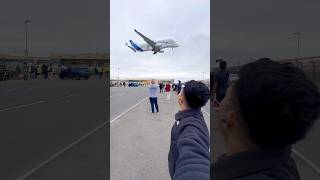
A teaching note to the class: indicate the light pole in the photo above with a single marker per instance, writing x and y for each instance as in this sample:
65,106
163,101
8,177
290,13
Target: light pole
26,53
297,34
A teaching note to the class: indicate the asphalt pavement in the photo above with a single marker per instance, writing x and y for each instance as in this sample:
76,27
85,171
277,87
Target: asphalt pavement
40,118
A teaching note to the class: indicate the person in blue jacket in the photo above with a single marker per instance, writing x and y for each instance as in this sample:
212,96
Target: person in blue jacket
189,157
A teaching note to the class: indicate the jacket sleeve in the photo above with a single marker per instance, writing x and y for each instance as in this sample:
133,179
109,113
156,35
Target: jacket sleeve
193,161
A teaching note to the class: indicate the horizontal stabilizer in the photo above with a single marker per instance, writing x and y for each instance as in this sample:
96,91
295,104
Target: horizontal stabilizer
133,49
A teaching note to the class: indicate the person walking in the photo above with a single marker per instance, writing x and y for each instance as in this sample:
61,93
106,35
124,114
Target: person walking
221,82
178,87
161,87
261,118
153,88
168,89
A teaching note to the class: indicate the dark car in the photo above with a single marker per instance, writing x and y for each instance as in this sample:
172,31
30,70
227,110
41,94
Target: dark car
75,73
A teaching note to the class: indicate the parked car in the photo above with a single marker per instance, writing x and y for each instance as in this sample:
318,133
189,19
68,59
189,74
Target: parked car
75,73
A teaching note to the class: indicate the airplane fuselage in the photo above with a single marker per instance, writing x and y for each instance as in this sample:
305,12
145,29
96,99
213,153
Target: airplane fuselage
161,44
152,45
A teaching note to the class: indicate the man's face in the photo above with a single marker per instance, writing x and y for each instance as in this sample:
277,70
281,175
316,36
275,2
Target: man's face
181,99
226,113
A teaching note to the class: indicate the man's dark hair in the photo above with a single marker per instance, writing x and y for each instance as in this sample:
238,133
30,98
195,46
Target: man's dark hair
278,103
196,93
222,64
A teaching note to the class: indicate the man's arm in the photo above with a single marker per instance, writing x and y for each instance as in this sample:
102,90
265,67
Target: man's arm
193,162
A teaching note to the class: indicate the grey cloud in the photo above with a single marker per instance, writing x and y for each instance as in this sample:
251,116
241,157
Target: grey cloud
58,26
252,29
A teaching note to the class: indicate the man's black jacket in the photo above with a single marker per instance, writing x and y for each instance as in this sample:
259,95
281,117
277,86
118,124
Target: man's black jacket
275,164
189,157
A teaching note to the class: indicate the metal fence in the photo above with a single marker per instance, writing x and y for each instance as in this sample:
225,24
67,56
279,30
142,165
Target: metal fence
310,65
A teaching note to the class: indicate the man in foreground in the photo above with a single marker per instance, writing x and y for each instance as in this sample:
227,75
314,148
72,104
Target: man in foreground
270,107
189,157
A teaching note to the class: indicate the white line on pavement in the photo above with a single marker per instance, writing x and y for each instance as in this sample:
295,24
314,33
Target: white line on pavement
123,113
120,94
21,106
302,157
59,153
75,95
42,101
206,112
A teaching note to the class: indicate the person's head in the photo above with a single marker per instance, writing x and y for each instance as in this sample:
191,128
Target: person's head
179,82
194,95
153,81
222,64
271,105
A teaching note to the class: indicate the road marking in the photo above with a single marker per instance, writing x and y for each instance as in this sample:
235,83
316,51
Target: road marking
120,94
42,101
126,111
302,157
21,106
205,112
59,153
75,95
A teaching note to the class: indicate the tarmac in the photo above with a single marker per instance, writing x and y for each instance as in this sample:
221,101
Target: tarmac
43,125
140,140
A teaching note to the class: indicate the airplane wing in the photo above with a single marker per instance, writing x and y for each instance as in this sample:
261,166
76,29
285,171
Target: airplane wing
149,41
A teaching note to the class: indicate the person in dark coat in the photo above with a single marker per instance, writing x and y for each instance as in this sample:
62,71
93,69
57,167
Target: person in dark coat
221,81
267,110
178,87
189,157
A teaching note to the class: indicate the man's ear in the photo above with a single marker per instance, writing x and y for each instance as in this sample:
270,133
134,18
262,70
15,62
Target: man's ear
230,120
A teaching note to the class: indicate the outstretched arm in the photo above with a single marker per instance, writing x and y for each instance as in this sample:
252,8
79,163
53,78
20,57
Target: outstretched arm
194,160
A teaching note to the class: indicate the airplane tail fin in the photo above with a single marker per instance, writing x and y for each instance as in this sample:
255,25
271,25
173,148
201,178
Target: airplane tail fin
135,46
132,43
133,49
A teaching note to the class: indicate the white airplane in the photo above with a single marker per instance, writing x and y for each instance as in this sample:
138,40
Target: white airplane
156,46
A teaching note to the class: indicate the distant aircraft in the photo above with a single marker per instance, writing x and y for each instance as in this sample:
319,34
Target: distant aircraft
156,46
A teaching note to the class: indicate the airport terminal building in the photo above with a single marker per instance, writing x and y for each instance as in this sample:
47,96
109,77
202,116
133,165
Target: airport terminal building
10,63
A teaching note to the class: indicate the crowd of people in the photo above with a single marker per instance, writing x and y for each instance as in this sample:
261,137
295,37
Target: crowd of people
27,71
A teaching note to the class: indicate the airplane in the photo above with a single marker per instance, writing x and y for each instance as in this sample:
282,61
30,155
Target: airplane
156,46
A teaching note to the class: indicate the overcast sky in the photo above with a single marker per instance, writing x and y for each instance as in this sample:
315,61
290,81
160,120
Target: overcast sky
58,26
250,29
188,22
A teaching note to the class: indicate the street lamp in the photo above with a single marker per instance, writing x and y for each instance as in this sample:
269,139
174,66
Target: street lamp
297,34
26,53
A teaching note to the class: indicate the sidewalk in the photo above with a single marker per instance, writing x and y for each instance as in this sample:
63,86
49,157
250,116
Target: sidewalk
140,140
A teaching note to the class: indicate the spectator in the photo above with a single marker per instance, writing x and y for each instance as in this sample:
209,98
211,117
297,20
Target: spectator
178,87
270,107
221,81
153,88
168,89
189,157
